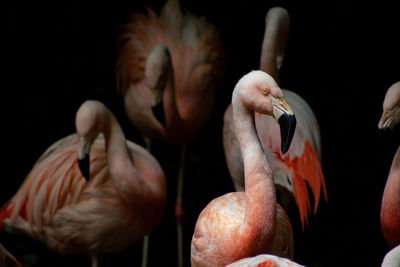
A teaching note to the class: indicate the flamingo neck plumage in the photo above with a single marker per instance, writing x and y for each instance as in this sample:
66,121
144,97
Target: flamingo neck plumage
275,37
390,211
159,73
128,181
260,217
172,116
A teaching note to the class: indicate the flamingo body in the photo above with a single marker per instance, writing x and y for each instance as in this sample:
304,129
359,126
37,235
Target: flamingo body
226,213
59,207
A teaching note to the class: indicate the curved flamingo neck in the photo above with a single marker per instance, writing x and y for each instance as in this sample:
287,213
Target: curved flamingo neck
390,210
160,75
260,217
275,38
172,115
128,181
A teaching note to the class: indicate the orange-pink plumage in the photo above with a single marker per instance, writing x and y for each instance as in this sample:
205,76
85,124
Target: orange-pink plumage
183,79
168,69
390,207
122,200
243,224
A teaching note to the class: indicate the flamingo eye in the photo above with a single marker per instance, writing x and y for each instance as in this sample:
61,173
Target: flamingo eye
266,92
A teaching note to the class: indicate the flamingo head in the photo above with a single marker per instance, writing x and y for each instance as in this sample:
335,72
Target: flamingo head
157,72
262,94
391,108
88,123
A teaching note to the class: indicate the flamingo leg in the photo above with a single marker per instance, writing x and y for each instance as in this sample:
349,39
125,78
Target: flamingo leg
145,250
96,262
146,238
178,205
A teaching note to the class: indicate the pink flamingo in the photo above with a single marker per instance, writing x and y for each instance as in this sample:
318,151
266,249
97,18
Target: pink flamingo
301,164
122,199
8,260
390,207
168,68
264,260
242,224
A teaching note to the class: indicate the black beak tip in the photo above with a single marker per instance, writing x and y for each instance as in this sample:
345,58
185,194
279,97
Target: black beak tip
287,125
84,167
384,130
158,111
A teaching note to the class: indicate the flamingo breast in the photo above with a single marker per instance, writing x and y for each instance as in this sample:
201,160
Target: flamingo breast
215,240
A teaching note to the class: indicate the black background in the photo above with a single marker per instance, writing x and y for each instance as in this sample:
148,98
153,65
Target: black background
341,58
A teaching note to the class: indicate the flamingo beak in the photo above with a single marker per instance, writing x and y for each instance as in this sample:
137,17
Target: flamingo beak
386,121
158,112
84,158
157,107
158,71
287,121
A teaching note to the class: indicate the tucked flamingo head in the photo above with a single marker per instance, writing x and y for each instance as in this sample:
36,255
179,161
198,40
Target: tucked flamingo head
89,122
391,108
260,92
158,70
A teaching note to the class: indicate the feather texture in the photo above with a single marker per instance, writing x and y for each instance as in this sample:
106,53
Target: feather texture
197,61
56,205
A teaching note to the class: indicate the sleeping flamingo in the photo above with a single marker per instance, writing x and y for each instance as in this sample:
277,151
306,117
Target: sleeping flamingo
264,260
122,199
301,164
243,224
390,207
167,69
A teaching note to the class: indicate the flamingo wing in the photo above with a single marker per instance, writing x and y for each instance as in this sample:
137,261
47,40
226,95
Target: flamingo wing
301,165
54,182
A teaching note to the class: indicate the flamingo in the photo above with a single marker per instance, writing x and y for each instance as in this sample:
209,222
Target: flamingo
242,224
7,259
122,198
390,207
264,260
167,70
301,164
